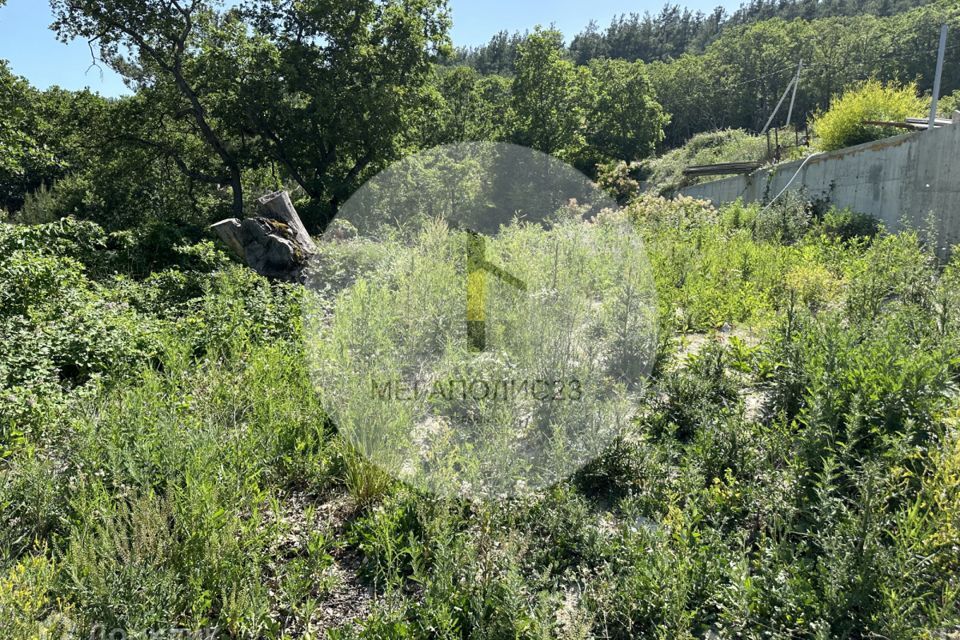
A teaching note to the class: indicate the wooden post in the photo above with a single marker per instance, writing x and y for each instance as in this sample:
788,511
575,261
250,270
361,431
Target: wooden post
777,108
793,97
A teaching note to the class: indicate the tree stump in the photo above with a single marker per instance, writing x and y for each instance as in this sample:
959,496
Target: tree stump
275,244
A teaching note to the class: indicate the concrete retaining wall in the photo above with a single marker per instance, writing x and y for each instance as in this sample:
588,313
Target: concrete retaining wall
902,179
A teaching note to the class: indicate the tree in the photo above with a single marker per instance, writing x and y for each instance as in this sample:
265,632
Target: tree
498,56
741,75
158,45
588,44
457,86
43,135
326,92
626,121
690,93
472,107
491,108
548,97
21,154
337,88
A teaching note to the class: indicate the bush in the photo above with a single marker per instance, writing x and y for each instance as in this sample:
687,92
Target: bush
25,611
61,327
847,225
693,396
799,476
842,125
617,178
784,221
67,323
683,213
366,319
947,104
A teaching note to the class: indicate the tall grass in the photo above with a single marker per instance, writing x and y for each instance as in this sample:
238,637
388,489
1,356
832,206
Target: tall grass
585,321
792,471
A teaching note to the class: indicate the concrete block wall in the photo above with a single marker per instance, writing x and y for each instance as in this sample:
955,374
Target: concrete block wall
911,178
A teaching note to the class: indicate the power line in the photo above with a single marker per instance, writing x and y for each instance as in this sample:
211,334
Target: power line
780,71
829,67
884,56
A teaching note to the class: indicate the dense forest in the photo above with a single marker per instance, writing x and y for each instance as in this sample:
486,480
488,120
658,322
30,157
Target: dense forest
672,32
715,71
170,467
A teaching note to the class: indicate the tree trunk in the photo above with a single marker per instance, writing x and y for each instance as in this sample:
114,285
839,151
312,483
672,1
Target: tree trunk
236,185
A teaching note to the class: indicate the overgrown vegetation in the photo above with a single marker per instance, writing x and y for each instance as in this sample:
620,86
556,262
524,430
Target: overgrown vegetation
665,173
845,123
793,470
166,462
711,73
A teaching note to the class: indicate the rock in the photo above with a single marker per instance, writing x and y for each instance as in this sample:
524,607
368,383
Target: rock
275,244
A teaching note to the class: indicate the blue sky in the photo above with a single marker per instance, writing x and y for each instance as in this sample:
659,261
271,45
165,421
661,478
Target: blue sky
34,52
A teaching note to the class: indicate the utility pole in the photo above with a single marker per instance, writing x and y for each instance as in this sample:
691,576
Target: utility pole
782,98
936,77
776,108
796,81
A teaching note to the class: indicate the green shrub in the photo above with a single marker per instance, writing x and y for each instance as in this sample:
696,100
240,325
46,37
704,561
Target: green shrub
63,329
60,331
167,460
159,499
691,396
636,468
894,269
67,237
842,125
422,277
618,179
26,604
654,213
709,274
948,104
847,225
41,207
785,221
740,215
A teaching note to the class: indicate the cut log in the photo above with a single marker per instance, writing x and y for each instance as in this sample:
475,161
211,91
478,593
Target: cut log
229,231
275,244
